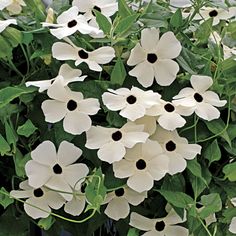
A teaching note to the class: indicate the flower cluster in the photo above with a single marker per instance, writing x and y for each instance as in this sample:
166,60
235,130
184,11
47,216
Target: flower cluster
145,144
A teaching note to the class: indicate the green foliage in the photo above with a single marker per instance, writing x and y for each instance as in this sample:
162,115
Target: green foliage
26,129
5,201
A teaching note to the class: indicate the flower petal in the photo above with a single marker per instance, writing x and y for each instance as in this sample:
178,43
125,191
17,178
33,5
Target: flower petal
149,39
201,83
111,152
75,206
137,55
140,222
37,173
165,71
45,153
89,106
133,197
98,136
168,47
207,111
171,121
53,110
102,55
74,174
34,212
123,168
64,51
68,153
76,122
144,73
117,208
141,181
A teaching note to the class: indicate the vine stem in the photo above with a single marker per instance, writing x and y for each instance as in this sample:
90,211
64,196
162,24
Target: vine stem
50,213
205,227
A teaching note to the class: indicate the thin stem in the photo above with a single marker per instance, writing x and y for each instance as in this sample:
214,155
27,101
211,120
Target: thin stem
205,227
191,126
50,213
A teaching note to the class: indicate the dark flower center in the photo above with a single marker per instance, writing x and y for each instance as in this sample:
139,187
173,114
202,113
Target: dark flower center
151,57
71,105
141,164
72,23
160,226
170,146
83,187
96,8
213,13
198,97
38,192
57,169
83,54
119,192
116,136
131,99
169,107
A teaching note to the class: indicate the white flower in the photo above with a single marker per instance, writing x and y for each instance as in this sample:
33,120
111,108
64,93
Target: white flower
160,226
181,3
168,115
216,13
13,6
232,226
199,100
5,23
4,4
153,58
65,51
77,204
66,75
233,201
106,7
112,142
119,200
55,169
132,102
142,164
71,107
176,148
38,197
70,22
149,123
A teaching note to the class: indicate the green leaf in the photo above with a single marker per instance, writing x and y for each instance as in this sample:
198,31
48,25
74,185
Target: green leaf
176,20
124,9
9,93
13,36
133,232
177,199
5,48
4,146
114,119
218,127
27,38
20,162
212,203
5,200
46,223
125,24
11,135
118,73
12,225
26,129
204,30
103,22
212,152
230,171
195,168
174,183
95,190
